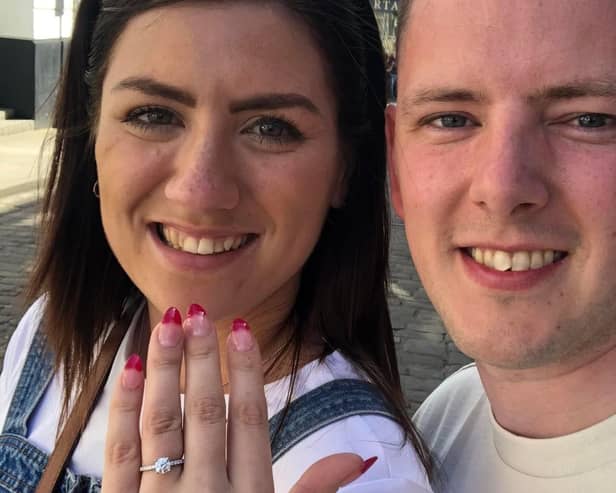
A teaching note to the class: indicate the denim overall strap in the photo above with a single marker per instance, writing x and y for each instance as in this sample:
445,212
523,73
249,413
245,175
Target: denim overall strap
331,402
21,463
34,379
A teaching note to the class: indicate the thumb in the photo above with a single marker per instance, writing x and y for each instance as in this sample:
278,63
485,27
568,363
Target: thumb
331,473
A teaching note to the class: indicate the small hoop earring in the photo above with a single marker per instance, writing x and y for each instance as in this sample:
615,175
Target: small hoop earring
95,190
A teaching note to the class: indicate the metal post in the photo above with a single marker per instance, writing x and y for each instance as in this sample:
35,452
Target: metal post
59,8
59,15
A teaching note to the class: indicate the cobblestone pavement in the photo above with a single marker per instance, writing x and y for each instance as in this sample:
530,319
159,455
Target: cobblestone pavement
17,246
425,352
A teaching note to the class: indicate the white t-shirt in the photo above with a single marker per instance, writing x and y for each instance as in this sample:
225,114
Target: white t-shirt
397,470
477,455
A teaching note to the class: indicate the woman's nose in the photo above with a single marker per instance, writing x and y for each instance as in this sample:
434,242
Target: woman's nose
205,174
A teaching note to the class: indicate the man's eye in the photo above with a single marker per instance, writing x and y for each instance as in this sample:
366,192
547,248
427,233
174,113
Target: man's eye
593,120
450,121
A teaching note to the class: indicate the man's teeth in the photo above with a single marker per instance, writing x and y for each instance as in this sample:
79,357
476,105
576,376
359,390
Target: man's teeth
515,261
201,246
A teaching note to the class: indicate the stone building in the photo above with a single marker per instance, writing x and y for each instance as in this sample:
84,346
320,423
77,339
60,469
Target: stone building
33,37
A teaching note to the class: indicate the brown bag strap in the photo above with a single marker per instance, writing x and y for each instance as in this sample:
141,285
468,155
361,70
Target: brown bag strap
80,413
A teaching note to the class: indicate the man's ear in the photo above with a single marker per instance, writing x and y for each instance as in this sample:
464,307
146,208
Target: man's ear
394,181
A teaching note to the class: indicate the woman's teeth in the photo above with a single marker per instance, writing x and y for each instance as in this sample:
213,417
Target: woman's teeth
200,246
515,261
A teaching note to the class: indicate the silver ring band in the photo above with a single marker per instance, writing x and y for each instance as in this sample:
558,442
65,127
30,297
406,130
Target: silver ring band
162,465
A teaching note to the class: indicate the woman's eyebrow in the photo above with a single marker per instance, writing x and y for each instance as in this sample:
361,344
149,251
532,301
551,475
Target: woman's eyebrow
152,87
273,101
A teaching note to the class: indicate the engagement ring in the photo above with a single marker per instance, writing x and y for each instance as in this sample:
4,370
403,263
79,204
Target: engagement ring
162,465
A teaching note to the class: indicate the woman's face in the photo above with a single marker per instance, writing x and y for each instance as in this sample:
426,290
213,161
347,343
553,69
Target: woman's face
217,155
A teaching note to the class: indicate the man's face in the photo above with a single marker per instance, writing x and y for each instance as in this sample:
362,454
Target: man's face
503,163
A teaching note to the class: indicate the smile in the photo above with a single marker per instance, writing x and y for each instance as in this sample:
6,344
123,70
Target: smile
203,245
518,261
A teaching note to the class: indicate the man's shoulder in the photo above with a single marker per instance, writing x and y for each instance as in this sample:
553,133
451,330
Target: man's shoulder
462,386
446,412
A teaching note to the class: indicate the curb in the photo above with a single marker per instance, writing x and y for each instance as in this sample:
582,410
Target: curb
16,189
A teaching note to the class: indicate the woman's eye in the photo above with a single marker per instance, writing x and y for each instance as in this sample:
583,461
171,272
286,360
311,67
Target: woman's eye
152,118
273,129
593,120
450,121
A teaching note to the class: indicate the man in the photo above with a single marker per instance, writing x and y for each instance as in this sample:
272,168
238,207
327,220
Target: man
503,168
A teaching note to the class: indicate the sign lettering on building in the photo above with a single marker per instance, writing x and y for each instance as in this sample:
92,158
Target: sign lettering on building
386,13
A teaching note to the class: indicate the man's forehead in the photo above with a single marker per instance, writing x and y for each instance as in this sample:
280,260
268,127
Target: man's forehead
497,16
475,51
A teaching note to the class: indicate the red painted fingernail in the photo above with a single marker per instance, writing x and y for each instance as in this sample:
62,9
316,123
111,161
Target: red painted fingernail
195,309
197,323
132,377
172,316
239,324
134,363
368,463
241,336
170,331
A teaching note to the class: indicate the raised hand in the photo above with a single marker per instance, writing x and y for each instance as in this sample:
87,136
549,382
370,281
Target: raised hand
217,458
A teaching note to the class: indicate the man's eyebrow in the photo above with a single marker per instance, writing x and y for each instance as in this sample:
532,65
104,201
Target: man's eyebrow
577,89
152,87
272,102
440,95
445,95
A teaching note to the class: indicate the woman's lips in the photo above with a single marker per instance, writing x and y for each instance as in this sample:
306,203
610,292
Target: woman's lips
201,244
183,253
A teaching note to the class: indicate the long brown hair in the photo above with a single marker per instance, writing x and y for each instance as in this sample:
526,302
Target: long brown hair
342,294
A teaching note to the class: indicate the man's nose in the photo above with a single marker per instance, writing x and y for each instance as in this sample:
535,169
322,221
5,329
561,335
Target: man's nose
509,174
205,173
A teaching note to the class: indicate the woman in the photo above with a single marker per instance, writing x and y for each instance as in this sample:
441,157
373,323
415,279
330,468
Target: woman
226,155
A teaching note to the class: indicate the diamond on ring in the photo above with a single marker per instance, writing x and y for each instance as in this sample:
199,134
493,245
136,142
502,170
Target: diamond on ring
162,465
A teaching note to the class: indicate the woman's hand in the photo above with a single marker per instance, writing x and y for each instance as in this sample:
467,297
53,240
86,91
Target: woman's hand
218,458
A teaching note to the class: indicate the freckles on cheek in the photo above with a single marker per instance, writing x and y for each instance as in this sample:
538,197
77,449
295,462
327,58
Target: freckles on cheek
304,181
421,188
145,157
